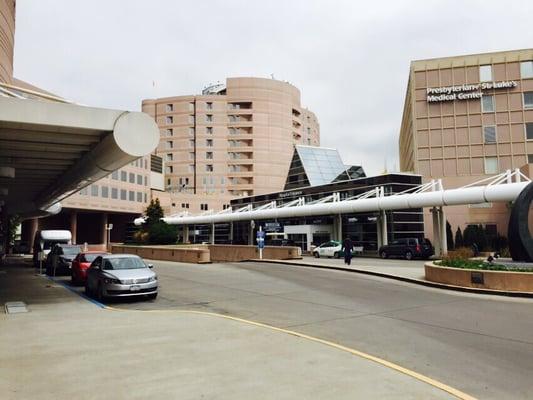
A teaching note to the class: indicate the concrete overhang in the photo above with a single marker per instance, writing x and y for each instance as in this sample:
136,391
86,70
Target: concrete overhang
58,148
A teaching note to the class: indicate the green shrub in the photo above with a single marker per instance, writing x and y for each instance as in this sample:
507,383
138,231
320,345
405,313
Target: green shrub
162,233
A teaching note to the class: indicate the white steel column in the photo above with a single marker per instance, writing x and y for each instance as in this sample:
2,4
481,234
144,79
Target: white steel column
437,241
231,232
337,227
443,237
384,232
185,234
212,241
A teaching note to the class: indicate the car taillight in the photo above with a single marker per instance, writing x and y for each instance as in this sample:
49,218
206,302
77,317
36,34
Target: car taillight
418,248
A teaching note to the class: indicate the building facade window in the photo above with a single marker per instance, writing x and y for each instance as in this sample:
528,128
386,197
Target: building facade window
191,131
169,144
209,155
169,107
209,142
169,119
105,192
114,175
489,134
208,118
529,131
191,106
209,130
114,193
139,179
231,131
123,176
491,165
485,73
191,143
528,99
83,191
209,105
139,197
530,158
209,167
131,195
191,119
145,198
132,177
204,206
526,69
487,103
168,132
123,194
191,156
191,168
169,156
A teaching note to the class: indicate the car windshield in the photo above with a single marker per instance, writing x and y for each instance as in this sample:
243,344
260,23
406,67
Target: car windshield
90,257
124,263
71,251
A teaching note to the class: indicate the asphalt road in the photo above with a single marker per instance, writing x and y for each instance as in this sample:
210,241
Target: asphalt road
482,345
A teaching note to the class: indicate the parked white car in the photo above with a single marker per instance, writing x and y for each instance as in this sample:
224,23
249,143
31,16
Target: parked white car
328,249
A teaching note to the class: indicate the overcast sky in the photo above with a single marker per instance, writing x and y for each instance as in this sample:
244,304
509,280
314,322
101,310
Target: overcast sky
349,59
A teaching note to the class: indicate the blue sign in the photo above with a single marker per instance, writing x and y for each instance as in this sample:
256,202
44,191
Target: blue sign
260,239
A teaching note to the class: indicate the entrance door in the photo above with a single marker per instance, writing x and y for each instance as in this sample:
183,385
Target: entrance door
299,240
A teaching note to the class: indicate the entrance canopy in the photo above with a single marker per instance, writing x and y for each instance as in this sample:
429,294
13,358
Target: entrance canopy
50,148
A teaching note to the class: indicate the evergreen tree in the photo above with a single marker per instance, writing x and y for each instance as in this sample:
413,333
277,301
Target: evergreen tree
449,236
459,238
154,212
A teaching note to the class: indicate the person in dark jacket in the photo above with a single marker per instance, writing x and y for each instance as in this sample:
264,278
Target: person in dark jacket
347,246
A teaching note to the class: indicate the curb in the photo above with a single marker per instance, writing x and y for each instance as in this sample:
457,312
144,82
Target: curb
402,279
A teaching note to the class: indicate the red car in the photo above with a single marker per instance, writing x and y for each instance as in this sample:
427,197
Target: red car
80,265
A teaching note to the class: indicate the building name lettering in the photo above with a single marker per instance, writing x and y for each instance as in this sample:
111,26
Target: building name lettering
290,194
465,91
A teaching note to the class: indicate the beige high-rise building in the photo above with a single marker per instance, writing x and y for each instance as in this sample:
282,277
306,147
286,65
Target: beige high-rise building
467,118
235,139
7,39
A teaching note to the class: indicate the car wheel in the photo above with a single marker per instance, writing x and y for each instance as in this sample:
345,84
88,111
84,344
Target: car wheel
383,254
152,296
336,255
408,255
316,254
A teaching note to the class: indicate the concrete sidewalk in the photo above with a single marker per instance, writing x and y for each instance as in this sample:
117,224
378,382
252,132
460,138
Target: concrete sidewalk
67,347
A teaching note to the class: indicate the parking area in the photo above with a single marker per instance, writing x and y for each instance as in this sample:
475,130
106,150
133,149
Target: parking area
66,347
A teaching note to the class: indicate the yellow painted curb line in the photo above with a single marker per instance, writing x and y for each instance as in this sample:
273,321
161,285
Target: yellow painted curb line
439,385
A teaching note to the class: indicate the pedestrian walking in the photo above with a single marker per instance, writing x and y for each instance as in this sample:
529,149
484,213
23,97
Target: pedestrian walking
347,246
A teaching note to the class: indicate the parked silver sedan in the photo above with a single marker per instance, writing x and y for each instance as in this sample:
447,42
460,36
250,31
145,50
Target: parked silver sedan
120,275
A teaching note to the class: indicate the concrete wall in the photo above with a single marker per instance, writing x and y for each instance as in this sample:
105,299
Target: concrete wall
208,253
495,280
228,253
198,255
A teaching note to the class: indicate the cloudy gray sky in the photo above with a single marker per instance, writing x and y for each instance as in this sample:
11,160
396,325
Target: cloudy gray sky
350,59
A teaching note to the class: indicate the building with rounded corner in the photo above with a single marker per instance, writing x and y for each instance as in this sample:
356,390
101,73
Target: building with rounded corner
234,139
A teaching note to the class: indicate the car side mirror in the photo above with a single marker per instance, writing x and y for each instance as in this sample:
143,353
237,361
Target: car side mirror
150,265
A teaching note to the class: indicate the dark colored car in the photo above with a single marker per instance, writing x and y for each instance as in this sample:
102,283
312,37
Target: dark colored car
408,249
281,242
59,260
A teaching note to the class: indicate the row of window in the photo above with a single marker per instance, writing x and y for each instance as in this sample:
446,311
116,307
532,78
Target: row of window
131,177
107,192
490,134
140,163
209,106
170,107
169,119
526,71
487,102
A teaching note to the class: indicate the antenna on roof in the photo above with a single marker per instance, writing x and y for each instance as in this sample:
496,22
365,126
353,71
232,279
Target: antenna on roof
272,76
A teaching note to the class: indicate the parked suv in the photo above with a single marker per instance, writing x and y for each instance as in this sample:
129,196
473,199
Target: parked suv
408,248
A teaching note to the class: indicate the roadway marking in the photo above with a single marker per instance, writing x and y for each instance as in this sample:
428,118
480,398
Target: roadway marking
430,381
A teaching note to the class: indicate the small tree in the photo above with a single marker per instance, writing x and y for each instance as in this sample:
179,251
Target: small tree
458,238
154,212
449,236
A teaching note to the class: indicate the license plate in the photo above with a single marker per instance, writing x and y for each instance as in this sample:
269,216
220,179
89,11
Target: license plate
135,288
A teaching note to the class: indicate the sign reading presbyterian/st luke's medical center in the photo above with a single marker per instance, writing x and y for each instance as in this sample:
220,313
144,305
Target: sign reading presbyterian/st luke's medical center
466,91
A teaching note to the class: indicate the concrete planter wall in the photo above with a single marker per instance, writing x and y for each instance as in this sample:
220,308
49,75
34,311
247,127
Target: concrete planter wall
208,253
494,280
